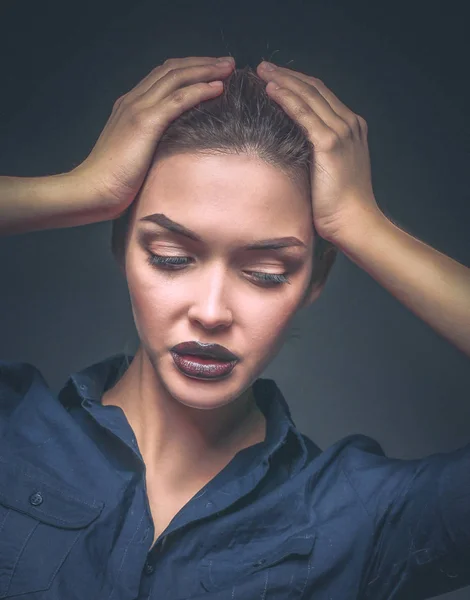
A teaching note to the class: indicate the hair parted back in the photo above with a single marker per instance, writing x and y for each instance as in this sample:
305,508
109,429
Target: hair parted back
243,119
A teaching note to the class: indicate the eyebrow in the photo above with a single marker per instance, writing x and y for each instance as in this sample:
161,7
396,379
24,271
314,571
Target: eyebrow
269,244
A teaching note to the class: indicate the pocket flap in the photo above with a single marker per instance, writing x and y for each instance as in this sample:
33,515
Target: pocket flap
295,545
220,568
24,489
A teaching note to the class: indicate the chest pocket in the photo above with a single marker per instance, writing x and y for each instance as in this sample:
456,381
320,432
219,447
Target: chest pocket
39,524
281,571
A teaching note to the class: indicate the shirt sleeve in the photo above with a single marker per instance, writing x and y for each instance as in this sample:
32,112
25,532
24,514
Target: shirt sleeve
420,511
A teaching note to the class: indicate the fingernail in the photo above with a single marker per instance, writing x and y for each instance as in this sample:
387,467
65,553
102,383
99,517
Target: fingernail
268,66
226,59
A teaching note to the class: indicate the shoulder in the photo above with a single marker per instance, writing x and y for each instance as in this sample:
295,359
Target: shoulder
350,452
385,483
359,462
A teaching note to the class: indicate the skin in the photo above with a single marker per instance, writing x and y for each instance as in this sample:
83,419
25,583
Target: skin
228,201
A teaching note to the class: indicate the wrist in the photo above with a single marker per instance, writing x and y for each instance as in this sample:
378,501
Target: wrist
87,196
358,228
367,239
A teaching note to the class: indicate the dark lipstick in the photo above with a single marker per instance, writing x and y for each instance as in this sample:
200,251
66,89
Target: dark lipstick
203,361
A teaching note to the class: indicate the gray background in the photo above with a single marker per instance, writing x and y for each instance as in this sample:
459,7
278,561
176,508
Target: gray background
358,361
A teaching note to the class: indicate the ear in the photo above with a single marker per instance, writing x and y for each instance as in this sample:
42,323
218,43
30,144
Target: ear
322,268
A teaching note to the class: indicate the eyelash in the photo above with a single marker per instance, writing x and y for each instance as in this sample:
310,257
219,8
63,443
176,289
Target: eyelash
172,263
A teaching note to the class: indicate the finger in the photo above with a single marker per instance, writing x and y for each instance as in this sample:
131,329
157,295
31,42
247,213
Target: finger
161,70
302,113
170,96
173,84
331,104
305,89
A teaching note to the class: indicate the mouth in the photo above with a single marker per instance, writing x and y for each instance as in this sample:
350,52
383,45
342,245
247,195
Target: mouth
203,361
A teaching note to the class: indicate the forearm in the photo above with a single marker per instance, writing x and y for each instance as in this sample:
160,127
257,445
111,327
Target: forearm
433,286
33,203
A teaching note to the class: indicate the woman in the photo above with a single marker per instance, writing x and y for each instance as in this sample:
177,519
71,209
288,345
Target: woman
178,474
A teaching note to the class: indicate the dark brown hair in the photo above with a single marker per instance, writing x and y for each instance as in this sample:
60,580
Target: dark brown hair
243,119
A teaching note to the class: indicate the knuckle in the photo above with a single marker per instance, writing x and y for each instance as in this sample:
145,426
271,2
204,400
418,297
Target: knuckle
354,124
313,80
178,97
119,101
136,115
344,129
362,122
331,140
172,75
156,70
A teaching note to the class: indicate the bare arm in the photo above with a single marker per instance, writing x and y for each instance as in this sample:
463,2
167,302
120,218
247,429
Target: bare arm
106,183
33,203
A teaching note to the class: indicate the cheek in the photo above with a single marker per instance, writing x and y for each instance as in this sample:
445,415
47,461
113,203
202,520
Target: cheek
269,323
148,292
152,301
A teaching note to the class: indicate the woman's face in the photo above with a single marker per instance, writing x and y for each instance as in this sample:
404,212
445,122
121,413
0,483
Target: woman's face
219,292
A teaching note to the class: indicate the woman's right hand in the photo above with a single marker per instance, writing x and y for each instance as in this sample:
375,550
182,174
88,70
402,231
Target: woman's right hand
116,167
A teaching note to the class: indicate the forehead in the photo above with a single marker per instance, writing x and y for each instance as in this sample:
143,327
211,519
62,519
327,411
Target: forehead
229,193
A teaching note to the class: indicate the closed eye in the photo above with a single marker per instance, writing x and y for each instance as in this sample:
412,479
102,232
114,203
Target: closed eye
178,263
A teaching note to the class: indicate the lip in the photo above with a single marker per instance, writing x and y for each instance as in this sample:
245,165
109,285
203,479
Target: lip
216,351
199,367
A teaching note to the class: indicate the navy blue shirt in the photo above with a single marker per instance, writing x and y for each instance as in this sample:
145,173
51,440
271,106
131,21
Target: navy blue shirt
283,520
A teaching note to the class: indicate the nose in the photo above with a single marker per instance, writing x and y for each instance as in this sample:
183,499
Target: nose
209,306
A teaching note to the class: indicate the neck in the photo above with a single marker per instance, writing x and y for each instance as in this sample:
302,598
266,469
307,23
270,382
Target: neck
179,441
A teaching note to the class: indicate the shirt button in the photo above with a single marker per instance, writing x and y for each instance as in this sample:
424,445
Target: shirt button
36,499
148,568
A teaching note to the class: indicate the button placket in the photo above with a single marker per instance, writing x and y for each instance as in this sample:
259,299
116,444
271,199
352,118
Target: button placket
148,568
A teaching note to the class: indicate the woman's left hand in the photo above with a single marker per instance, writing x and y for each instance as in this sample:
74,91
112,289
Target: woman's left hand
342,194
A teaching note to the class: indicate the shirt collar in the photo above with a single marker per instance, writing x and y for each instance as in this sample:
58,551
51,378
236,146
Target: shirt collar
90,384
